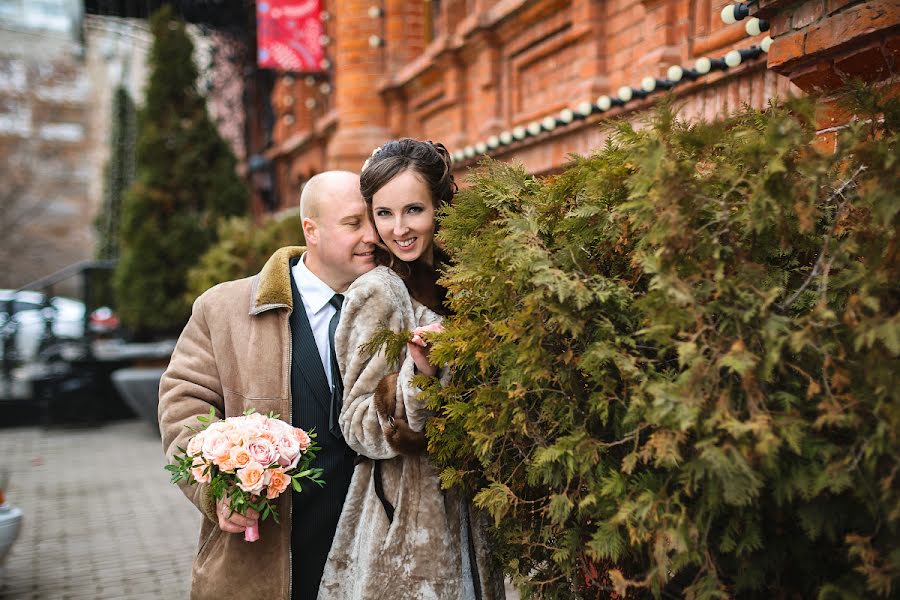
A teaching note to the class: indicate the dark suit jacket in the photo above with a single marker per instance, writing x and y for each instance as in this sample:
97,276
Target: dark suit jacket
315,510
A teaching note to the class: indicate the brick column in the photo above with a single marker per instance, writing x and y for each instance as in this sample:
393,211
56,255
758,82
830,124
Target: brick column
361,114
820,44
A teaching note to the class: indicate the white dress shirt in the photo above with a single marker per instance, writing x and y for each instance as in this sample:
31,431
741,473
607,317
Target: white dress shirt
316,294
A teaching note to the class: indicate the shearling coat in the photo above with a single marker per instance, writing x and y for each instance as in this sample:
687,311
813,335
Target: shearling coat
424,552
234,354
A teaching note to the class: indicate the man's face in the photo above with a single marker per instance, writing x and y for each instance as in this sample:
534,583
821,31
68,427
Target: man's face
343,239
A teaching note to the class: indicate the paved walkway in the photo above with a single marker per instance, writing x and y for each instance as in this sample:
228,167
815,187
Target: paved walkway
101,518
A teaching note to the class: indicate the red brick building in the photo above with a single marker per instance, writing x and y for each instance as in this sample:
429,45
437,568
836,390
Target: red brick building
525,80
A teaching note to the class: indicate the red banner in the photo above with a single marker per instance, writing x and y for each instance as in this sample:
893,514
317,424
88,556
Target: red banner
289,35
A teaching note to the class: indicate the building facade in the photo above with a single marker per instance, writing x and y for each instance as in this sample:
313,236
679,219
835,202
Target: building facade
524,80
509,78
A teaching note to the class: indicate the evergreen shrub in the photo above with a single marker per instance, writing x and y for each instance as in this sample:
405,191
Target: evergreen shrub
675,365
242,250
185,183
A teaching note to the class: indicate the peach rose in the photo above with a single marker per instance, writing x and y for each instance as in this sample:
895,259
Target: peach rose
302,438
262,451
216,446
267,435
276,482
197,471
240,457
251,478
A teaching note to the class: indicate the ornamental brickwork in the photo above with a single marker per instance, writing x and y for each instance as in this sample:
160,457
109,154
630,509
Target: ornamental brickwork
471,73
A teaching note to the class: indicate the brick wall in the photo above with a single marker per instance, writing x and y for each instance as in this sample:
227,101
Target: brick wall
498,64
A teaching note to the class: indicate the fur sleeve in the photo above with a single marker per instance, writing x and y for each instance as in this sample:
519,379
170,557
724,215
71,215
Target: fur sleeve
416,413
372,420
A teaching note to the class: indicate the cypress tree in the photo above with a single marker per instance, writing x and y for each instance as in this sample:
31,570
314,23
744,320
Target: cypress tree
118,175
185,184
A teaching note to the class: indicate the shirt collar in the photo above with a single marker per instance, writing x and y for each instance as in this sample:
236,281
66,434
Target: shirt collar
315,292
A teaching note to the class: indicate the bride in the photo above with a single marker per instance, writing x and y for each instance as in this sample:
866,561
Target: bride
399,534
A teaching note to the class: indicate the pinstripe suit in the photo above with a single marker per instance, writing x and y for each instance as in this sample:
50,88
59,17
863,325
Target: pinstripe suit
315,510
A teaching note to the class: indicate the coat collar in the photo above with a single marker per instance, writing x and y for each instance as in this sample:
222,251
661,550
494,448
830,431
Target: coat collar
272,287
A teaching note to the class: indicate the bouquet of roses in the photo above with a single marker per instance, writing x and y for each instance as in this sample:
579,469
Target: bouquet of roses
251,459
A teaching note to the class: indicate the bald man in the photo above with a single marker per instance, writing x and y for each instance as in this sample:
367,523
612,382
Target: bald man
263,342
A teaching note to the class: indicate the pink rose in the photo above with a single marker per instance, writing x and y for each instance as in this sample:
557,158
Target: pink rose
195,445
276,482
288,451
216,446
262,451
302,438
251,478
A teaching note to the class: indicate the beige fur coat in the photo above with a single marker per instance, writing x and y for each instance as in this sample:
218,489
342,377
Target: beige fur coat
430,548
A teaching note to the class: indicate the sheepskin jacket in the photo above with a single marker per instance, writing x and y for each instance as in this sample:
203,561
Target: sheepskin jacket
434,547
234,354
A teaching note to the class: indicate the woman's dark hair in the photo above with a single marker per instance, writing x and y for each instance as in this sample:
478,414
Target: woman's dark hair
428,160
431,162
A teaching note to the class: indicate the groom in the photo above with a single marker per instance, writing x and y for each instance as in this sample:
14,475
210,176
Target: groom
264,343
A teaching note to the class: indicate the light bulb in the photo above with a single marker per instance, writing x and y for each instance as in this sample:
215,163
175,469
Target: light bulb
625,93
493,141
534,128
481,148
675,73
765,44
566,115
469,151
703,65
733,58
519,132
584,109
648,84
728,15
604,103
549,123
506,138
752,27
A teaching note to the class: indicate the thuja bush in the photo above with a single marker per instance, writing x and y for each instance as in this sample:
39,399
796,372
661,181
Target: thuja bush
675,365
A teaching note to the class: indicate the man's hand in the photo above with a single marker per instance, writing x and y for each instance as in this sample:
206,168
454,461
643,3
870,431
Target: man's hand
418,348
232,522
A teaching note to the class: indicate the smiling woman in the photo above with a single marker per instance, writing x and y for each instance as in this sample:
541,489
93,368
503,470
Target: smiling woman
403,212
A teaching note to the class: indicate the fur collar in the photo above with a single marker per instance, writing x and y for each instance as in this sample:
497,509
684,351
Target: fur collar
273,284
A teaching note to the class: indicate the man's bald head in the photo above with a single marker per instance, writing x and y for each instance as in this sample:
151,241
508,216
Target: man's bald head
340,239
324,187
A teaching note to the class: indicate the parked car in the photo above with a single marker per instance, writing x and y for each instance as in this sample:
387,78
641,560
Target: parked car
10,525
26,325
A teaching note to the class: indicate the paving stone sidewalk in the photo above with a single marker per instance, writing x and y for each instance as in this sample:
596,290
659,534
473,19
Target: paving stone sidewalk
101,519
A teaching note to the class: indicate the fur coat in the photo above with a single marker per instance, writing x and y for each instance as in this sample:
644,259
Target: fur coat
434,547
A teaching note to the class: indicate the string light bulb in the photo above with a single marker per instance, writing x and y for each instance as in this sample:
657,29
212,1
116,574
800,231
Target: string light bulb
520,133
755,26
625,93
506,138
493,142
765,44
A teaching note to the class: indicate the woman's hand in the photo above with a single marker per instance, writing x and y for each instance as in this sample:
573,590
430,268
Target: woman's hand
418,348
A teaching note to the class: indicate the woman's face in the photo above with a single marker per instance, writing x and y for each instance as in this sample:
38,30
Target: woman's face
404,217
